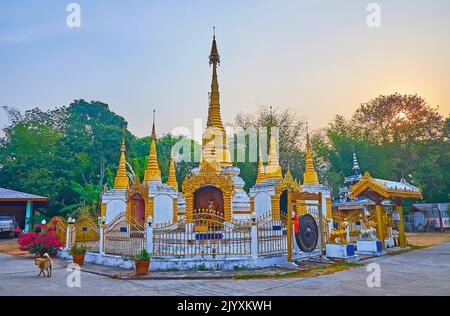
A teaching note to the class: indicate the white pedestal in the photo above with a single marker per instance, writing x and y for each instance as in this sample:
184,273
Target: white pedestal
389,243
341,251
369,247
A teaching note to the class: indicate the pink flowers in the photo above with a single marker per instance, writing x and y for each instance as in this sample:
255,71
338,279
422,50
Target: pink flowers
40,242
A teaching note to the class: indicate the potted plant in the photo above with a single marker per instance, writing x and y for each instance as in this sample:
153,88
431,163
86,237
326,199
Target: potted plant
78,252
142,262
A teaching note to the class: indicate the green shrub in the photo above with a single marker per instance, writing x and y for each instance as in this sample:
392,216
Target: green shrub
77,249
142,256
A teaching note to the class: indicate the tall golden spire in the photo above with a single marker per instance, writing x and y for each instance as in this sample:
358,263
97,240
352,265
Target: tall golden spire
310,175
172,180
261,172
214,117
152,173
214,128
121,180
273,168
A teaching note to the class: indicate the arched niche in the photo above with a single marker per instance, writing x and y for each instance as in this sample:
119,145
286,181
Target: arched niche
208,176
137,203
209,197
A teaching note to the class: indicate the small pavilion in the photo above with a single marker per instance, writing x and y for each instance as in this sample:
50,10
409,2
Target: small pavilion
20,205
379,190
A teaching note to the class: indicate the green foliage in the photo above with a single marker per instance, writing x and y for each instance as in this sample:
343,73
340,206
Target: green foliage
292,137
77,249
391,141
44,153
142,256
70,154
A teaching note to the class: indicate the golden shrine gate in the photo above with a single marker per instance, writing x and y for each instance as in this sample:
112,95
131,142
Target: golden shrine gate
210,236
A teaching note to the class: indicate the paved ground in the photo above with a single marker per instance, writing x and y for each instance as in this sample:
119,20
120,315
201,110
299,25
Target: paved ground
420,272
6,239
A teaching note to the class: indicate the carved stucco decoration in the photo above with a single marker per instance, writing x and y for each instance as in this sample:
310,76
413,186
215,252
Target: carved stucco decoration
287,182
142,190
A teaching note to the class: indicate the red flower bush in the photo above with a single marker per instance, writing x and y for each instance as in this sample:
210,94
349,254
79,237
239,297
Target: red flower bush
42,240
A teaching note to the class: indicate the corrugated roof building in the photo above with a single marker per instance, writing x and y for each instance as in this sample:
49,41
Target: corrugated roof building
21,205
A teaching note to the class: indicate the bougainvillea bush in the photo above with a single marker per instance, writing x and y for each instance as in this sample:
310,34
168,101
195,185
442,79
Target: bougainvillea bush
39,241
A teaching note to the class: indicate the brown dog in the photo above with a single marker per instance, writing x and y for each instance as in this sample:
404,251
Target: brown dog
44,264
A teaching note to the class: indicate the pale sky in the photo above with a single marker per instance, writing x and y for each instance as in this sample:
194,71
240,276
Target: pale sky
317,57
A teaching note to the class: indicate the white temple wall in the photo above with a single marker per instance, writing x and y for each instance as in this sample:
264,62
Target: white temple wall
263,203
241,216
114,208
163,209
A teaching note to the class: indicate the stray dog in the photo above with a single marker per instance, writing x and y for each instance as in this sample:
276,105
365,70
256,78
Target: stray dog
44,264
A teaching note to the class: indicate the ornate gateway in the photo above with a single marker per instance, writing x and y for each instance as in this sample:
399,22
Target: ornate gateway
306,233
139,206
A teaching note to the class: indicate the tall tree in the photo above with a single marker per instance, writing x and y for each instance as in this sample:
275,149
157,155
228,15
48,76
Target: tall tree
292,137
398,118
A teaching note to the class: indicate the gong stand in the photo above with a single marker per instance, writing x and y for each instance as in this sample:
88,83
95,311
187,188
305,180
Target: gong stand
303,196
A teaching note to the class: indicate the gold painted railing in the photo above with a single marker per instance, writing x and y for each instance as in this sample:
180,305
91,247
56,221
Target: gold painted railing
86,231
271,234
124,236
59,224
209,236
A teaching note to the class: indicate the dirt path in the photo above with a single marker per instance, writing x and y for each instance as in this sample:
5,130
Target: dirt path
427,239
10,247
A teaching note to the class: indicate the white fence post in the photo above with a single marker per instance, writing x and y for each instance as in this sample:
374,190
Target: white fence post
102,235
68,229
70,233
149,228
254,246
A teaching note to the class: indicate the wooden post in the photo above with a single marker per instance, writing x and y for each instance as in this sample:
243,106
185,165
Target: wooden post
289,225
401,225
380,225
320,224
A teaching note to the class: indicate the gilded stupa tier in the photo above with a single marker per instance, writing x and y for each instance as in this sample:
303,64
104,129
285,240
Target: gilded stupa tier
273,168
152,172
172,180
121,180
261,170
310,175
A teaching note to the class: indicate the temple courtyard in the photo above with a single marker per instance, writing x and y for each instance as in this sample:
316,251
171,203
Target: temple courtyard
418,272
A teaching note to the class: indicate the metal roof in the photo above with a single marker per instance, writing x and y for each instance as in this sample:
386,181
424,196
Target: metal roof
428,207
11,195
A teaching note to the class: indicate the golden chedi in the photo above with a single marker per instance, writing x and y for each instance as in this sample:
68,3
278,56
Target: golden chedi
152,172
